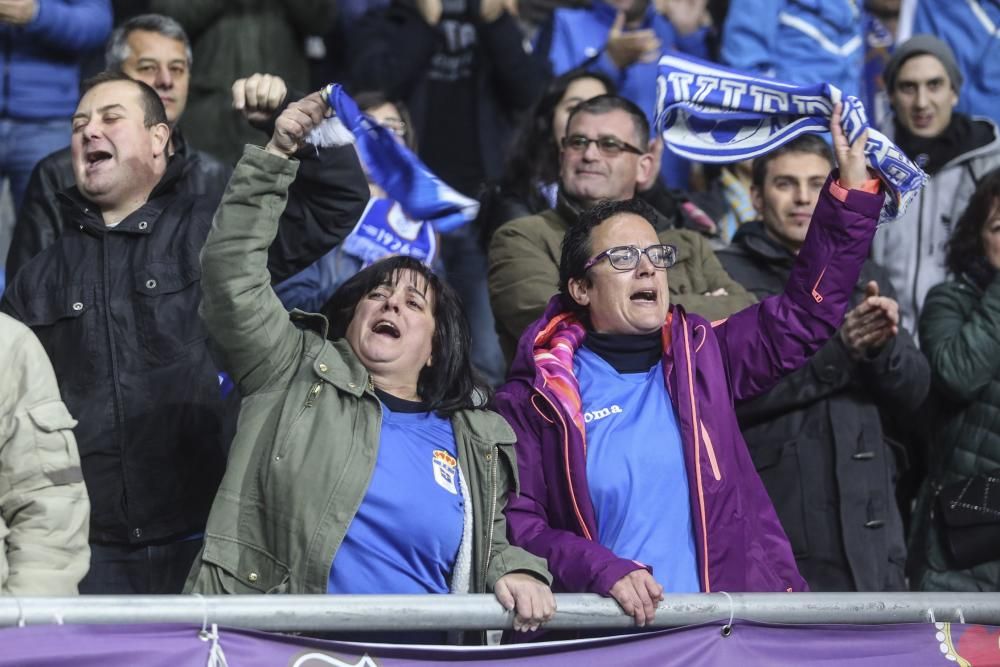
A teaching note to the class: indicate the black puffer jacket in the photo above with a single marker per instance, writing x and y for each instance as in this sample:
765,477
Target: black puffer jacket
817,438
117,311
41,219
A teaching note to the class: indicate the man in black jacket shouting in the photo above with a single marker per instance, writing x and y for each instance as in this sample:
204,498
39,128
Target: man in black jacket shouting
114,301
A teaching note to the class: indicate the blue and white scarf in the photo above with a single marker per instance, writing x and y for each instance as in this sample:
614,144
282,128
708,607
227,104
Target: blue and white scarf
709,113
392,166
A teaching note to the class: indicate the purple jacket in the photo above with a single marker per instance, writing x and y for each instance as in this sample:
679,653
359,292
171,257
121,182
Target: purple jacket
739,542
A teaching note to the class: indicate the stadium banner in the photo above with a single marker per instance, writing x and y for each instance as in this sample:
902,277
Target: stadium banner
912,645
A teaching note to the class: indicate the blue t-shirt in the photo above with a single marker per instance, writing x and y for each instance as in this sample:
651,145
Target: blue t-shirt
635,470
406,534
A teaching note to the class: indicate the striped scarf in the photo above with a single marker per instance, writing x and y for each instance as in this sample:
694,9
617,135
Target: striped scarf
708,113
393,167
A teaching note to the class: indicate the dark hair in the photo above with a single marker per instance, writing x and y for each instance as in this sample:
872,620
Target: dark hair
806,143
449,384
373,99
534,154
966,244
117,50
576,247
153,112
603,104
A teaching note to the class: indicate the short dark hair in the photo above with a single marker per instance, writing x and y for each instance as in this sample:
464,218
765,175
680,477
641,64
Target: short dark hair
806,143
117,50
153,112
373,99
576,246
603,104
966,244
449,384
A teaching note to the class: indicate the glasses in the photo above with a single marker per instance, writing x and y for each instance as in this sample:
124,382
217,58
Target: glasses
626,257
608,146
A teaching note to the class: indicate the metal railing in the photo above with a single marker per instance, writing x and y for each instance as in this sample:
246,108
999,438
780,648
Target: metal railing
327,613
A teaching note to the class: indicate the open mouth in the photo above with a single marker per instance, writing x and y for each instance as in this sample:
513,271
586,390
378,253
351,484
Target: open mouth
385,328
95,158
645,295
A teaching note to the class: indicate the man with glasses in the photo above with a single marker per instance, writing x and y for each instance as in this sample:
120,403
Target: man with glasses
635,481
817,438
606,156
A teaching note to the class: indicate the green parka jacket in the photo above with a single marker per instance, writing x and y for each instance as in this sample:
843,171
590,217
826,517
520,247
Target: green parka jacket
308,433
960,334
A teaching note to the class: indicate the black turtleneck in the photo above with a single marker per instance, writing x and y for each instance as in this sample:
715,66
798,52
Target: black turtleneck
626,353
962,135
397,404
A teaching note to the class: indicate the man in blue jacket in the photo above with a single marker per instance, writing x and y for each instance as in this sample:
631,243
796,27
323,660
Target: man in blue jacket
42,43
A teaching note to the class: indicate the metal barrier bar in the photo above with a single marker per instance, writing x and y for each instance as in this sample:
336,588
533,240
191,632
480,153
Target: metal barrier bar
290,613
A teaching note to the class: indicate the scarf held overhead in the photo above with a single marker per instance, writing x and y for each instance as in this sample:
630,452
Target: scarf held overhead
708,113
393,167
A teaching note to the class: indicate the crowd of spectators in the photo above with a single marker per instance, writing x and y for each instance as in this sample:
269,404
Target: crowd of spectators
707,377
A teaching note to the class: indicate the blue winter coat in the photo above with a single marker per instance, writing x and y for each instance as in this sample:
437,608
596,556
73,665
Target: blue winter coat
798,41
41,58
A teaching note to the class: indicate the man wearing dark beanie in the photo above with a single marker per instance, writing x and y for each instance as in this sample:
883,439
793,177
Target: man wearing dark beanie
956,150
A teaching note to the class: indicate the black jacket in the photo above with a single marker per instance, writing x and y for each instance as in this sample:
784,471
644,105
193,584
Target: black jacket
117,311
41,219
818,442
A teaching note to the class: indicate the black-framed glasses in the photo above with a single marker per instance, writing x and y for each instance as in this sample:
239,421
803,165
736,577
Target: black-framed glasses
608,146
626,257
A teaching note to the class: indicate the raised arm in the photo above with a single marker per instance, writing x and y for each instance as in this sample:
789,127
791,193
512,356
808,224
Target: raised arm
765,342
242,313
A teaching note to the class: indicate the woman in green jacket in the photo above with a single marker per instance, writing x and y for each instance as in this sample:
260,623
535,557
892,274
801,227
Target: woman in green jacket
956,534
364,460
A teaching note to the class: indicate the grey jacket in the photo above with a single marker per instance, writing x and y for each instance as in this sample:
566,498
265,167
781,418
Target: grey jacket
44,551
309,426
912,249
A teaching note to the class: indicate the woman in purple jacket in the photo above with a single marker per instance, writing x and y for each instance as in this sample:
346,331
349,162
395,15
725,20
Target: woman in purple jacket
635,479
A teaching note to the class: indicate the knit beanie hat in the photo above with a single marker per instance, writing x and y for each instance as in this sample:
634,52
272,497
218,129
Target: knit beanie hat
922,45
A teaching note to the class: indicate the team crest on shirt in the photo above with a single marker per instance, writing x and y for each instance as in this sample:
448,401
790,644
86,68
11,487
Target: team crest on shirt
445,471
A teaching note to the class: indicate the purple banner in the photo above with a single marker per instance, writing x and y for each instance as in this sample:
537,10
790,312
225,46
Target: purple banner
912,645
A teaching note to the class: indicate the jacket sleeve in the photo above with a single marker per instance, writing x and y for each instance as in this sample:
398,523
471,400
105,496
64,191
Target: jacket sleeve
578,565
522,278
194,16
518,77
963,347
506,557
242,313
715,277
768,340
43,500
749,33
392,50
39,221
71,26
325,201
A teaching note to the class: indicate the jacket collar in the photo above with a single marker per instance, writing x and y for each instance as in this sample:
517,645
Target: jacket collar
752,238
87,215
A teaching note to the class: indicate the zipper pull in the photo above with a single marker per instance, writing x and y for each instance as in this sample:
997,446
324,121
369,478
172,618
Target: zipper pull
313,393
371,384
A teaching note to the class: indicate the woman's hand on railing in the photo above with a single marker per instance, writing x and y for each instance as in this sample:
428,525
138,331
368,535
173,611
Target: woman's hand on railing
529,598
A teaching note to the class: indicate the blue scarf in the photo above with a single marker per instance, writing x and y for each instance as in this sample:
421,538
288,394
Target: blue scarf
392,166
708,113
